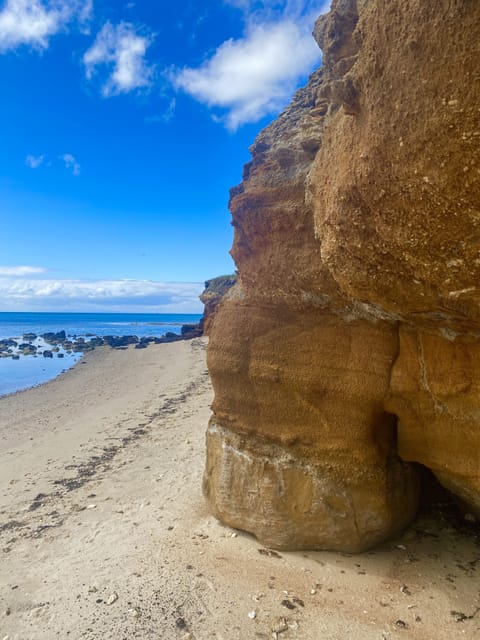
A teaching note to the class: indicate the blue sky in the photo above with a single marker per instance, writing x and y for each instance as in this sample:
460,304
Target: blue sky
123,126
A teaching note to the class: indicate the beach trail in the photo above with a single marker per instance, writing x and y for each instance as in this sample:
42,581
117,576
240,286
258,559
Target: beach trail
105,534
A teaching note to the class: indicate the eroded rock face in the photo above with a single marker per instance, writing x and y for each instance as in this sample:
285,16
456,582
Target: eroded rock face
348,349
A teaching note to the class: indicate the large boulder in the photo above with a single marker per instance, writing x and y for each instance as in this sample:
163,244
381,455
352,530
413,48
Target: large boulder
346,354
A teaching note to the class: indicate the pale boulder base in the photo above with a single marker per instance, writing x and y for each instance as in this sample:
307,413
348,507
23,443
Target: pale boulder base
347,352
321,469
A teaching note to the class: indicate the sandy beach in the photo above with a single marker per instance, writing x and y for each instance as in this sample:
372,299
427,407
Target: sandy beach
104,532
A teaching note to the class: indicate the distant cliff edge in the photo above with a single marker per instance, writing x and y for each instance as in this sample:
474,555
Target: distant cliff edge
215,290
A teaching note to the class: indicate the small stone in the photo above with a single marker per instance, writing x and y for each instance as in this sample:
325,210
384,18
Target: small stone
313,592
135,613
234,535
469,517
8,611
252,614
280,626
91,506
401,624
112,598
92,589
402,547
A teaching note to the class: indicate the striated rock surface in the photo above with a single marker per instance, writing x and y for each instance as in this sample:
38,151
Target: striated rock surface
348,351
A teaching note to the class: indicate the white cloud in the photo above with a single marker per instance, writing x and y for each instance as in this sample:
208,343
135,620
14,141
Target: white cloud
85,12
122,49
257,74
71,163
33,22
264,10
34,161
20,271
26,293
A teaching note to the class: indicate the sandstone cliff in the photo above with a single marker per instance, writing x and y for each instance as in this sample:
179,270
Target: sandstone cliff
346,355
212,295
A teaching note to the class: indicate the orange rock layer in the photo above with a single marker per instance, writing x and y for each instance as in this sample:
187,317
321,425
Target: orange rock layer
349,350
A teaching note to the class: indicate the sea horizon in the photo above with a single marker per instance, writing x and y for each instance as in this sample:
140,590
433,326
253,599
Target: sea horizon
30,371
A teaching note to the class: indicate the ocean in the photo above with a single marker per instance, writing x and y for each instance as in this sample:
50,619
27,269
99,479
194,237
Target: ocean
29,371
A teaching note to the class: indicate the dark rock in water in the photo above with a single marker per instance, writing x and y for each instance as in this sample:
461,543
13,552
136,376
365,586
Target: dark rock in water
60,355
141,345
27,349
192,331
7,342
47,354
29,336
168,337
54,338
15,357
120,341
96,342
81,347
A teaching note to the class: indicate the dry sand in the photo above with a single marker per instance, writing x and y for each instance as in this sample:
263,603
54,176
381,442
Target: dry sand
104,532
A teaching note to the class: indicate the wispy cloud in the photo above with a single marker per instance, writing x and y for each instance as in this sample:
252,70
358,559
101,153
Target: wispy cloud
254,76
122,50
20,271
34,22
27,293
85,14
165,117
71,163
34,161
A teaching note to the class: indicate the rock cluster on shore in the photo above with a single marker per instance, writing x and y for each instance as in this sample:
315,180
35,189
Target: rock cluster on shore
61,343
345,358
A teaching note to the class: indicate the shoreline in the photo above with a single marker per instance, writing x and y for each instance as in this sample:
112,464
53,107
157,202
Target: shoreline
48,348
104,532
